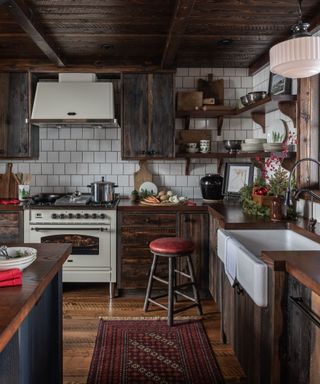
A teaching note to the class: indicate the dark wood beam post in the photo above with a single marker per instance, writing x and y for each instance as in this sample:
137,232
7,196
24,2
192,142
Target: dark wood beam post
25,18
308,130
178,26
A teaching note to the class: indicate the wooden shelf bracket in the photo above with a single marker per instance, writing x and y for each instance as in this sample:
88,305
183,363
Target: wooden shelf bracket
260,119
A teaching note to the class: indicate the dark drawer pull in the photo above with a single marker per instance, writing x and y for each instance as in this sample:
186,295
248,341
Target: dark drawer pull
306,310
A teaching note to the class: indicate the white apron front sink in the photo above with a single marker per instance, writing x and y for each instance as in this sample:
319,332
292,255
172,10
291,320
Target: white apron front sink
251,272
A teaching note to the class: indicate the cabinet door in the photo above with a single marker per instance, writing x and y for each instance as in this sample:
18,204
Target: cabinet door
135,118
303,334
148,116
161,136
18,138
11,227
194,226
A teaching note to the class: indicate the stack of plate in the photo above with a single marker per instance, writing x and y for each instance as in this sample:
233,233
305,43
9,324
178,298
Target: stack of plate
253,145
16,261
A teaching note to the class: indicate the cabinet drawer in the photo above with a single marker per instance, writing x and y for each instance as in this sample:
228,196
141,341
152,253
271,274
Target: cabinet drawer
150,219
9,220
142,236
135,273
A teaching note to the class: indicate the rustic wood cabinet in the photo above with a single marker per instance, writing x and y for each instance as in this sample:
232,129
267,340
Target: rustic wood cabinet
11,226
194,226
302,334
135,231
18,137
148,124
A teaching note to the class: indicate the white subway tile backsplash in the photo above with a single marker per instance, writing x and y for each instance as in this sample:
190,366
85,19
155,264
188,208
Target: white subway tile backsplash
76,133
64,157
94,145
82,145
82,169
53,157
74,157
70,145
94,169
71,169
105,145
99,157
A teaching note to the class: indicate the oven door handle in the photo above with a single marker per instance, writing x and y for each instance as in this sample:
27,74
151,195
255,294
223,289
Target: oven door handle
101,229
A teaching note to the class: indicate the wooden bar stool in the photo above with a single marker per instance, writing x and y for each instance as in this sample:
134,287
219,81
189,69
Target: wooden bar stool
172,248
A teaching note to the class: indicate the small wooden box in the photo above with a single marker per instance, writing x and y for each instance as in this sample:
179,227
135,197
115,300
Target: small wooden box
189,101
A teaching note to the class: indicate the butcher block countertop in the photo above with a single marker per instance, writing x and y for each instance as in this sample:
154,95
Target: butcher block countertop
303,265
17,302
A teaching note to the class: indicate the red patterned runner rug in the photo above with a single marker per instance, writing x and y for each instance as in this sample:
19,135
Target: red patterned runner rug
148,351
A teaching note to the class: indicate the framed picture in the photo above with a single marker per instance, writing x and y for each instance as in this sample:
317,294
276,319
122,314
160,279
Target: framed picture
279,85
236,176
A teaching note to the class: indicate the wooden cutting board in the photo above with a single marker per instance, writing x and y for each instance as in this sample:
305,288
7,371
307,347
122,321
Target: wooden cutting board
8,184
142,175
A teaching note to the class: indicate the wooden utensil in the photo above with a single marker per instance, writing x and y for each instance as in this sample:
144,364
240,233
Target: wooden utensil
212,88
13,183
142,175
8,184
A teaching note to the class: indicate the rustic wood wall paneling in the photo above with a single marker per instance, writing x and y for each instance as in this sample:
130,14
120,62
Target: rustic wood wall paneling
308,131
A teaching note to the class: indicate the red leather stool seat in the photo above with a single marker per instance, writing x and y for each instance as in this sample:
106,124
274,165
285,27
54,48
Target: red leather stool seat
171,245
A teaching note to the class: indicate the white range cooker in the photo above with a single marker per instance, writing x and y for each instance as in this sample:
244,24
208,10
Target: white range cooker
90,228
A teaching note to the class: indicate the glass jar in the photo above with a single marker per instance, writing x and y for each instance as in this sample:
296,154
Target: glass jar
211,187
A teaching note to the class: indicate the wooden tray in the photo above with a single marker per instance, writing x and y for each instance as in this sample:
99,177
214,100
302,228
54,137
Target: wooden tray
160,204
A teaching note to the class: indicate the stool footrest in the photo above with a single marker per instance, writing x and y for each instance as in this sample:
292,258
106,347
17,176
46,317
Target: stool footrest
185,296
160,279
158,304
184,285
182,273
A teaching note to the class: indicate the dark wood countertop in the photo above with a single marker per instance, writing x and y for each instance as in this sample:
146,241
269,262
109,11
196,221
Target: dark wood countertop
128,205
17,302
303,265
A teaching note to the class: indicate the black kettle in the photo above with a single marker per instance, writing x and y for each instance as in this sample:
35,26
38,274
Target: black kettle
211,187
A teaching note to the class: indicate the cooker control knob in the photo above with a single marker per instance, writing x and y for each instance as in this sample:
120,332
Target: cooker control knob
54,216
94,215
102,216
61,216
86,215
70,215
78,216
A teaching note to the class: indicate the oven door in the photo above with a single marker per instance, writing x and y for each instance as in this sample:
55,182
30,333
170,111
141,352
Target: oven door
90,244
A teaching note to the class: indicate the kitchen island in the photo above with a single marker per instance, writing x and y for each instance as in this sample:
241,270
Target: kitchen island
278,343
31,321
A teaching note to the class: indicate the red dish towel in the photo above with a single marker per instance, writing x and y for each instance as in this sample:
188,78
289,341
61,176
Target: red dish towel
10,274
11,201
11,282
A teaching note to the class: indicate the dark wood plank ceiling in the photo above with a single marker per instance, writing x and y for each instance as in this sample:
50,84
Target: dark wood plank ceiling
144,33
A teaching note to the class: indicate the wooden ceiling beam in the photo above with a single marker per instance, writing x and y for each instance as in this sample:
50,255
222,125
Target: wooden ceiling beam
25,18
178,26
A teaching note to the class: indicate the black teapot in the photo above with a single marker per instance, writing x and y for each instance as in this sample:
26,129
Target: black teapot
211,187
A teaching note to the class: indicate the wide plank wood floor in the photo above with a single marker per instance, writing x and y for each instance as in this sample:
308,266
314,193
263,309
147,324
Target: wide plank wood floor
84,304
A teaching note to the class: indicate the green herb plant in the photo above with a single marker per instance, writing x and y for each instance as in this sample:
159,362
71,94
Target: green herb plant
277,137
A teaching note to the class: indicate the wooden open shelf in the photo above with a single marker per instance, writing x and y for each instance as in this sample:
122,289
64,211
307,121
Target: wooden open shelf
257,111
287,162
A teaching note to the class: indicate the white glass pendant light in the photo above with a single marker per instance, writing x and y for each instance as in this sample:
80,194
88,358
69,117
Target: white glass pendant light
299,56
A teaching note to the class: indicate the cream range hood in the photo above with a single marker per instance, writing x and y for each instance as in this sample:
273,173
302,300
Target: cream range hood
76,99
